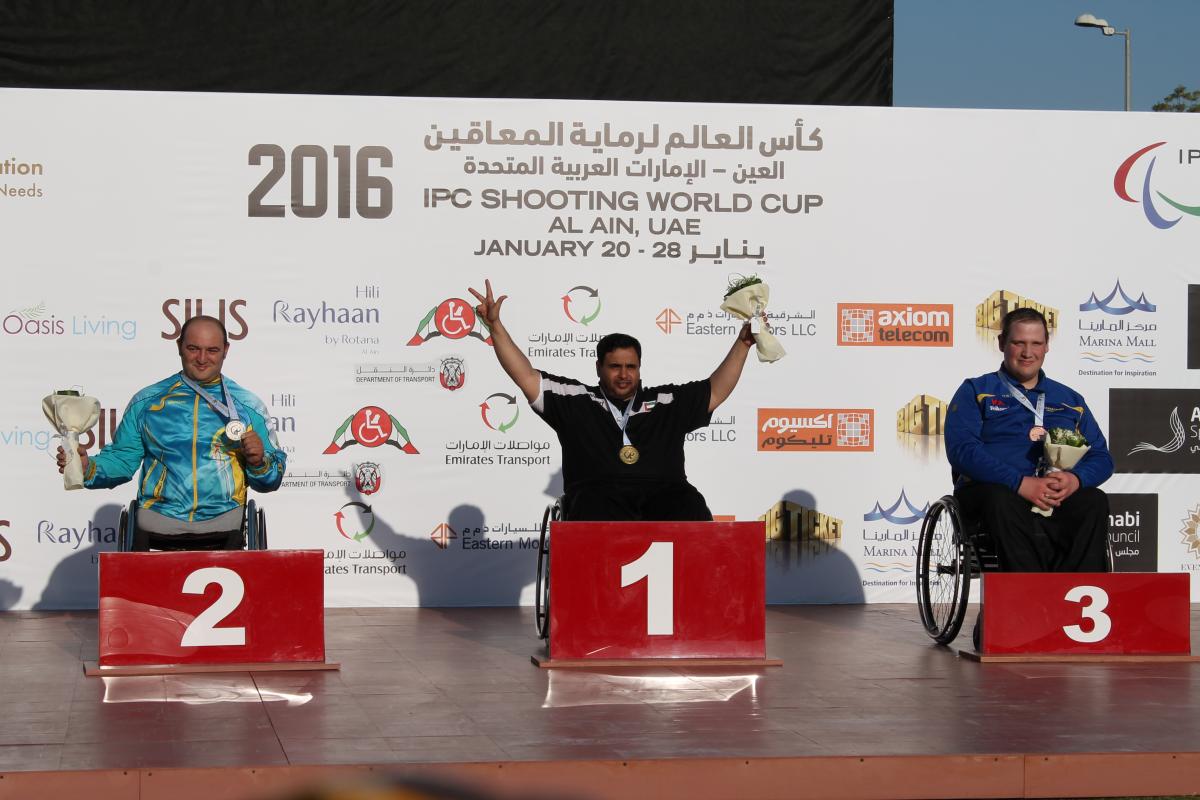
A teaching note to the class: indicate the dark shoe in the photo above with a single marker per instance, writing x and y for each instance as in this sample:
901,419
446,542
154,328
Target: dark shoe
977,633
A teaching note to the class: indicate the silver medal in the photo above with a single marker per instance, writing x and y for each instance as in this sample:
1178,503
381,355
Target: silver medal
235,430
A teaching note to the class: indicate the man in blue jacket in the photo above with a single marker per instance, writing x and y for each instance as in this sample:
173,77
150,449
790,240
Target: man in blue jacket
200,440
995,430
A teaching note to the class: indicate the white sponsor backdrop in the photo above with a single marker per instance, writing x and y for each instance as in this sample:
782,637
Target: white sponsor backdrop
139,209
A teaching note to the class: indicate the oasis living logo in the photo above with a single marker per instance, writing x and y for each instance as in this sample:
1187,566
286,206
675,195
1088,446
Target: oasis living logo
34,321
816,429
895,324
581,304
890,537
1156,211
453,318
1110,333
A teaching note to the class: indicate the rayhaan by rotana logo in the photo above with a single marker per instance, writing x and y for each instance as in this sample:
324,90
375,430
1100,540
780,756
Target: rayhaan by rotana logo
453,318
1156,205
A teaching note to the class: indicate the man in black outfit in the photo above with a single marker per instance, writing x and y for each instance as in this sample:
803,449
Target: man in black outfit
622,443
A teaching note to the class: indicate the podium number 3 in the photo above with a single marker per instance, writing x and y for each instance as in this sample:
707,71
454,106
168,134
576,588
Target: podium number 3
657,567
203,632
1094,610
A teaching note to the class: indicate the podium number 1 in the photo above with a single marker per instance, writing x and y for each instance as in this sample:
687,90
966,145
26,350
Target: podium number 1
203,632
657,567
1094,610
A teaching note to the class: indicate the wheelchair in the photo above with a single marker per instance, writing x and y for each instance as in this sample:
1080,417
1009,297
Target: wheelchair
541,591
254,530
950,552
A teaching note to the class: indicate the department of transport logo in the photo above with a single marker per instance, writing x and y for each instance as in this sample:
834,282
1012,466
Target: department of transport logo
452,373
368,477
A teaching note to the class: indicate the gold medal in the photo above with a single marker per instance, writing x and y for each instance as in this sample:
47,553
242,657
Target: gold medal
1037,433
629,454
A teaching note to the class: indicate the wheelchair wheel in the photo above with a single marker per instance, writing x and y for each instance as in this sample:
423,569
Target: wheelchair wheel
125,528
943,571
541,592
255,527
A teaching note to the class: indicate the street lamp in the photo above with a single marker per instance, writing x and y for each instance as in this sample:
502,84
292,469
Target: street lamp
1090,21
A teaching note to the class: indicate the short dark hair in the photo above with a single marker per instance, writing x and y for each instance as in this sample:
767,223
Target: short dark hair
616,341
202,318
1021,315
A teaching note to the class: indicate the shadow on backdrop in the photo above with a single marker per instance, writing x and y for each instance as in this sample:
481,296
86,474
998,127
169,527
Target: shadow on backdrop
804,561
75,581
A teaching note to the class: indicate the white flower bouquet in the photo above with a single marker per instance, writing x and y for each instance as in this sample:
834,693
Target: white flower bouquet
1063,449
746,298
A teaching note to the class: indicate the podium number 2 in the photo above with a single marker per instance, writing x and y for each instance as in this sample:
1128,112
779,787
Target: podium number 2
657,567
1094,610
203,631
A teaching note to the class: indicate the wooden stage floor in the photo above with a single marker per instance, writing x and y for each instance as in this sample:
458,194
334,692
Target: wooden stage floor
864,706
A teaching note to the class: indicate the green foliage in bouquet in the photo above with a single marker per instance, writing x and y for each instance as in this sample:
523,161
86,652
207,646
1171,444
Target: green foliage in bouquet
738,283
1068,437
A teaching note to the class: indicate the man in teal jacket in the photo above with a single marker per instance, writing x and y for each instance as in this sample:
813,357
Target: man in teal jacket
200,441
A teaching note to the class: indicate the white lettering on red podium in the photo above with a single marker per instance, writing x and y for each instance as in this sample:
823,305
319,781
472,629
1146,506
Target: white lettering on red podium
656,565
203,632
1094,611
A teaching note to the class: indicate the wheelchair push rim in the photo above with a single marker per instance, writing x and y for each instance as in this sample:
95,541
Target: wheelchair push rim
943,571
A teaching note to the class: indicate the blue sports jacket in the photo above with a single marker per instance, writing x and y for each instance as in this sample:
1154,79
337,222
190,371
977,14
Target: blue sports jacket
190,470
987,431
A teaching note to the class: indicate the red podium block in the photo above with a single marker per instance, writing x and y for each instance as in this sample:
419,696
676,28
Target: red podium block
1087,614
661,590
211,608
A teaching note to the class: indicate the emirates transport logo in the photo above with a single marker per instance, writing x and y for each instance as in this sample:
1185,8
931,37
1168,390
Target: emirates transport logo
816,429
1149,207
370,426
366,519
896,324
581,304
454,319
500,411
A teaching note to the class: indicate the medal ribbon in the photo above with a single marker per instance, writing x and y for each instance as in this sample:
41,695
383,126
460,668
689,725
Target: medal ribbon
622,419
1019,396
227,409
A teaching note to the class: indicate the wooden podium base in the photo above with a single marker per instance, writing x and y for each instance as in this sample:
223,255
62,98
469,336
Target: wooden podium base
1066,658
93,669
545,662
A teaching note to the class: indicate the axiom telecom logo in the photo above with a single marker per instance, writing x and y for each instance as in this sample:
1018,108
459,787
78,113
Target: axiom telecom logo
901,512
667,320
581,304
500,412
895,324
453,318
1150,189
349,530
442,535
816,429
370,426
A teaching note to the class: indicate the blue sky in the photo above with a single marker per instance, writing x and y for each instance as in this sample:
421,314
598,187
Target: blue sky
1029,54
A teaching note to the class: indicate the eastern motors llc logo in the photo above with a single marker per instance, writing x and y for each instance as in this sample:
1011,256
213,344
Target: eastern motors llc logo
1154,202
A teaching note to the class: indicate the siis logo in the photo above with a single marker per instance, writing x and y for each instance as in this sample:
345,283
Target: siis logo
500,412
5,547
442,535
452,374
901,512
370,426
667,319
178,311
368,477
896,324
366,521
454,318
1148,194
1108,306
581,304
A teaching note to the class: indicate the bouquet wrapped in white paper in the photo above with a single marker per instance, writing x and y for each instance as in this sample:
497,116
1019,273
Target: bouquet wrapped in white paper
71,415
1064,447
747,299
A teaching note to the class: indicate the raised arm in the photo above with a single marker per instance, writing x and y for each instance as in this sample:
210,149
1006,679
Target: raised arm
727,373
508,353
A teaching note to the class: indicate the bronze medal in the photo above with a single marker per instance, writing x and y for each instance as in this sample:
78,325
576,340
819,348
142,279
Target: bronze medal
629,454
1037,433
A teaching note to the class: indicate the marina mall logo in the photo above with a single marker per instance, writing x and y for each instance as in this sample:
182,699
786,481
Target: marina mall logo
1149,207
1109,306
442,535
370,426
895,324
500,412
901,512
366,519
816,429
454,319
581,304
452,374
667,320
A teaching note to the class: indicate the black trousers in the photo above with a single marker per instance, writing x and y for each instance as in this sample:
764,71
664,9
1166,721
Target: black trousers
217,540
1073,539
638,501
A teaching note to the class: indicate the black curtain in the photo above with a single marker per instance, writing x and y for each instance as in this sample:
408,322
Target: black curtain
758,51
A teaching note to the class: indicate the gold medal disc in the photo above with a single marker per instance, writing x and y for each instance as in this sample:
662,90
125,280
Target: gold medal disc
629,454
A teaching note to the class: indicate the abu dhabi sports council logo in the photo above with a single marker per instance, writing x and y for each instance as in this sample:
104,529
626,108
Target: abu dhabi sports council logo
500,411
1178,437
1127,305
368,477
581,304
359,530
667,320
901,512
816,429
453,318
452,373
1155,430
370,426
895,324
1133,531
442,535
1151,207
